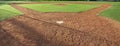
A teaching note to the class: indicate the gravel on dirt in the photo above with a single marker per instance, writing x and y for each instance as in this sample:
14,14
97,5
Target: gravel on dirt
79,29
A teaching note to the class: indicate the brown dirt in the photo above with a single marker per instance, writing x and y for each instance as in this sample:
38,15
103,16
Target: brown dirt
7,40
79,29
60,4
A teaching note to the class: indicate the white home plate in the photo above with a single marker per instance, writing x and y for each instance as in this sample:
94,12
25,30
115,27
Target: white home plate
59,22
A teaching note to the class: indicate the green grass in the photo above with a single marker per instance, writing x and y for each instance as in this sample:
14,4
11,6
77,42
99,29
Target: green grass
113,12
57,8
6,11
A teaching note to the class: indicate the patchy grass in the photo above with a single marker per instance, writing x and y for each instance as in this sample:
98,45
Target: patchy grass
57,8
113,12
6,11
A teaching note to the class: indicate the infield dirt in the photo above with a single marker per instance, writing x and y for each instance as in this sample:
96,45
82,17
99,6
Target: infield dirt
79,29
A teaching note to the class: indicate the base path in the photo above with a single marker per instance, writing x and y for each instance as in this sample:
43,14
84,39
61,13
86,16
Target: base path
79,29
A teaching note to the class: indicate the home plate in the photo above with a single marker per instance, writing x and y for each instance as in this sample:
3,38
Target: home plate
59,22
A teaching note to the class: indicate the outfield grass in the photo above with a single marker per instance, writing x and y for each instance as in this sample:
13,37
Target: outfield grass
6,11
113,12
57,8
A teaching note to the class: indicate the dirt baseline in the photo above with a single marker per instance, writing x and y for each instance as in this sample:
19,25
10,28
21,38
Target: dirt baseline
79,29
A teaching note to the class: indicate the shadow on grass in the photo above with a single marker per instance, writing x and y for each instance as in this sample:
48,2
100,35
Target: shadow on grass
8,11
6,14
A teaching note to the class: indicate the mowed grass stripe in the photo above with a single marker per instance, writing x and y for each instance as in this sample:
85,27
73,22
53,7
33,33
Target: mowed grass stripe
6,11
57,8
113,12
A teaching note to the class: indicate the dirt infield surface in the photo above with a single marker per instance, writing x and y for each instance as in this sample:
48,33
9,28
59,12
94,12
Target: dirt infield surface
79,29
